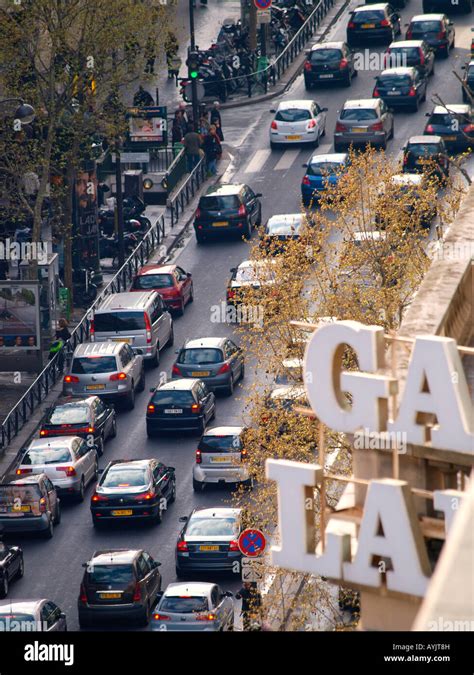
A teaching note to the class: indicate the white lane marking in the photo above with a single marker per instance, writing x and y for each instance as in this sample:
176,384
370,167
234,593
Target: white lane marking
257,161
287,160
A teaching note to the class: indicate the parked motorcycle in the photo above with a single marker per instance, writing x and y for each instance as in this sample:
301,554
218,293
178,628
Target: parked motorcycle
84,287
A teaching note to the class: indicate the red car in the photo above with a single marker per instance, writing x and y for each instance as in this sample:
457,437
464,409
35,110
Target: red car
173,284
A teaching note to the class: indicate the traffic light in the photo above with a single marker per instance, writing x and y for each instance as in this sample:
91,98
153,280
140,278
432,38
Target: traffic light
193,65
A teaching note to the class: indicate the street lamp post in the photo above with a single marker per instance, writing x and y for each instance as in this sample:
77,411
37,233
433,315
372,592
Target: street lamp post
23,112
193,49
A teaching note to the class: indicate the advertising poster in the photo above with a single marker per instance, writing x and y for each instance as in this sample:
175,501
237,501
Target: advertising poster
86,248
19,315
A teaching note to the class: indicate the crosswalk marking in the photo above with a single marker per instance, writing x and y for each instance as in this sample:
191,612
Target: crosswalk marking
287,160
257,161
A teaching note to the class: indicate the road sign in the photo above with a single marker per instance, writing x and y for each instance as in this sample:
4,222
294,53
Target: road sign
131,157
252,570
264,16
188,92
252,543
262,4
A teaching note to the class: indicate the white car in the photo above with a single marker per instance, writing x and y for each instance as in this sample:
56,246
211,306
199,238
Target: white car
298,122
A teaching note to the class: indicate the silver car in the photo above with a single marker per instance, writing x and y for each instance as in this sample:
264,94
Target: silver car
70,462
298,122
194,606
31,615
220,458
363,121
111,370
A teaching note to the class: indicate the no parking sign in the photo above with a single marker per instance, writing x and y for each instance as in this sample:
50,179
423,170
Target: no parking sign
262,4
252,543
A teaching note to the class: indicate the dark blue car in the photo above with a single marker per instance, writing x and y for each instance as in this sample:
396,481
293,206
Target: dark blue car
321,171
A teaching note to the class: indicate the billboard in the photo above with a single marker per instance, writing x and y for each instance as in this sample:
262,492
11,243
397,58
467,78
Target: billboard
86,248
147,125
19,315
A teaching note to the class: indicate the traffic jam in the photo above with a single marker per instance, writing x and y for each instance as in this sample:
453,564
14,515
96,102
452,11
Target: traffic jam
119,513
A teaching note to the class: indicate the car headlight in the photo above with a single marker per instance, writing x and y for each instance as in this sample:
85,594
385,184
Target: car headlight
147,184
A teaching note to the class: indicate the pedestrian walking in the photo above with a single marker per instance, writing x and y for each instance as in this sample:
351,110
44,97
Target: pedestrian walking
216,119
251,604
187,116
204,126
212,150
150,56
171,51
192,147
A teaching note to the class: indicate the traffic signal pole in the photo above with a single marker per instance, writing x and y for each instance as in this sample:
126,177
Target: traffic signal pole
193,79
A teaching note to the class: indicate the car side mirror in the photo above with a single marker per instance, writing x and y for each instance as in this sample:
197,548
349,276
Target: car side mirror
324,109
463,67
228,594
85,565
233,270
273,111
305,166
189,275
183,519
427,114
259,194
171,468
100,472
139,352
159,595
152,390
156,564
407,24
62,615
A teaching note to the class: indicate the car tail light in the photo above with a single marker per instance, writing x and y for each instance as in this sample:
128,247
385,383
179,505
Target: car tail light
375,93
82,594
306,181
412,91
182,546
44,432
71,378
118,376
351,24
151,408
409,35
429,129
144,496
198,457
244,454
230,294
148,327
196,408
69,470
225,368
242,210
137,595
205,617
21,472
98,498
344,63
441,35
307,65
198,213
42,505
161,617
176,370
385,22
274,125
233,545
92,330
378,126
422,58
311,124
340,127
468,128
405,159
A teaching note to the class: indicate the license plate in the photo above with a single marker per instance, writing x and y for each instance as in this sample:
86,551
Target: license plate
368,25
449,138
219,459
173,411
221,223
293,138
127,340
95,387
15,509
122,512
200,373
394,93
208,548
110,596
326,77
358,130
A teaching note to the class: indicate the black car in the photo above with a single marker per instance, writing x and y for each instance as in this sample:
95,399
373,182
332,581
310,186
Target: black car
227,208
370,23
435,29
468,80
401,87
409,189
420,150
90,418
454,123
11,566
329,62
119,584
180,405
138,489
208,541
416,53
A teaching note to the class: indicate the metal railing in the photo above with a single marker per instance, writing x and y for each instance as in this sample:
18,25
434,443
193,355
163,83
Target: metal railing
49,376
186,192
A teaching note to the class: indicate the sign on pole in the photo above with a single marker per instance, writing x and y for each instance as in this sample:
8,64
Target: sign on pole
262,4
252,543
264,16
252,570
188,92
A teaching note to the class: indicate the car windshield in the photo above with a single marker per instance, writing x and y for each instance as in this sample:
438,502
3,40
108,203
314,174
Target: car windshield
124,477
325,55
394,81
425,27
423,150
359,114
110,574
220,444
69,414
367,16
90,365
151,281
173,398
292,115
221,203
255,274
184,604
200,356
47,456
16,622
446,120
20,494
208,527
115,322
323,168
399,55
284,226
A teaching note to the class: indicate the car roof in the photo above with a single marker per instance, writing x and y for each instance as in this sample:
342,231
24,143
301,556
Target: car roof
373,235
337,157
224,431
407,179
127,301
183,384
222,189
462,108
288,391
285,218
256,263
376,5
216,512
74,400
98,349
27,480
406,43
427,17
193,588
337,44
205,342
424,139
115,556
362,102
53,442
156,269
299,104
20,606
399,70
129,462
